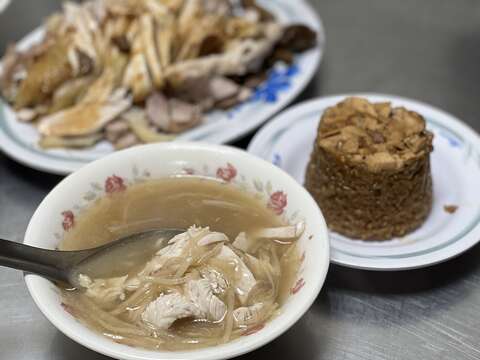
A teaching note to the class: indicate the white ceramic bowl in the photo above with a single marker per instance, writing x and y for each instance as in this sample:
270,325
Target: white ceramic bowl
278,190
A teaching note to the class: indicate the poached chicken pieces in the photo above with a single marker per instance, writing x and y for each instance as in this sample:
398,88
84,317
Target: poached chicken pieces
202,279
141,71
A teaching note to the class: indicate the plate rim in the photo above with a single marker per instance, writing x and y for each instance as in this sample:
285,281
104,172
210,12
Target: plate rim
30,158
258,146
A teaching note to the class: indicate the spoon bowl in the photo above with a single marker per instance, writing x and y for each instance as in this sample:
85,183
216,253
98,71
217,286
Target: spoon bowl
128,253
66,266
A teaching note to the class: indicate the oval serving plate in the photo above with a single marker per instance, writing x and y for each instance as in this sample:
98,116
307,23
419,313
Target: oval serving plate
288,141
19,140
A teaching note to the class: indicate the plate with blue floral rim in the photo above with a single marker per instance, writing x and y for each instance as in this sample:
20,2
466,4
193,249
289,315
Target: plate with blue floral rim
454,223
284,83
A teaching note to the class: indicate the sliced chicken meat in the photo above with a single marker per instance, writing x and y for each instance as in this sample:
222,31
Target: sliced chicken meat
244,279
191,50
183,116
248,315
212,238
126,141
241,57
166,309
116,129
221,7
137,78
217,281
83,39
44,75
175,249
242,242
200,292
149,48
158,110
84,119
69,93
197,302
196,91
172,115
165,37
138,123
221,88
216,92
76,142
104,290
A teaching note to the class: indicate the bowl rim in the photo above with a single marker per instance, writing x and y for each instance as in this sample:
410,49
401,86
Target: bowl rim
35,284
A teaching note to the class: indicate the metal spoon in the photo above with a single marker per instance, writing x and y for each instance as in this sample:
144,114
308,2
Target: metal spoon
65,266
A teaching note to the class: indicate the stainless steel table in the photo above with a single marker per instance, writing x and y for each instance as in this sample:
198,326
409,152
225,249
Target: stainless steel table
429,50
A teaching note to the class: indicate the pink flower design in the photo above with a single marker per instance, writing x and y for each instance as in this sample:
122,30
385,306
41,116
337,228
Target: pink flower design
67,308
253,330
298,286
189,171
227,173
68,220
278,201
114,184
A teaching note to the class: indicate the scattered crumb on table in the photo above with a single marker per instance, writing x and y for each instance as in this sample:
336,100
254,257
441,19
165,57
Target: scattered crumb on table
451,209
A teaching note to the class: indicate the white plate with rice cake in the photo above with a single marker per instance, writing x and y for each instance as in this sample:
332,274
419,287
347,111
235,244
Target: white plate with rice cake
453,225
20,140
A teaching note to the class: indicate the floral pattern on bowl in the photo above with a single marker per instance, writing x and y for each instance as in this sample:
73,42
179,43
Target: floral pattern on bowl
68,220
114,184
227,173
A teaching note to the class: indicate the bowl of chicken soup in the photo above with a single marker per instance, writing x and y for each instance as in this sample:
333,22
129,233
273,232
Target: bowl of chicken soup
249,258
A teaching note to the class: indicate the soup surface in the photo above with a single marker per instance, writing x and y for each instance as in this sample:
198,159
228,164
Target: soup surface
224,277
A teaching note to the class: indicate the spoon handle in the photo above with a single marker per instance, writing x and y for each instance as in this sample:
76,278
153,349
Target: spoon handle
47,263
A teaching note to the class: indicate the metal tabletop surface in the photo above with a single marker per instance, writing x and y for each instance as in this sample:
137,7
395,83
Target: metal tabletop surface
427,50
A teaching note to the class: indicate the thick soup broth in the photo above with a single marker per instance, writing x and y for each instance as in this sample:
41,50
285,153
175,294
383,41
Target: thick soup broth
245,286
